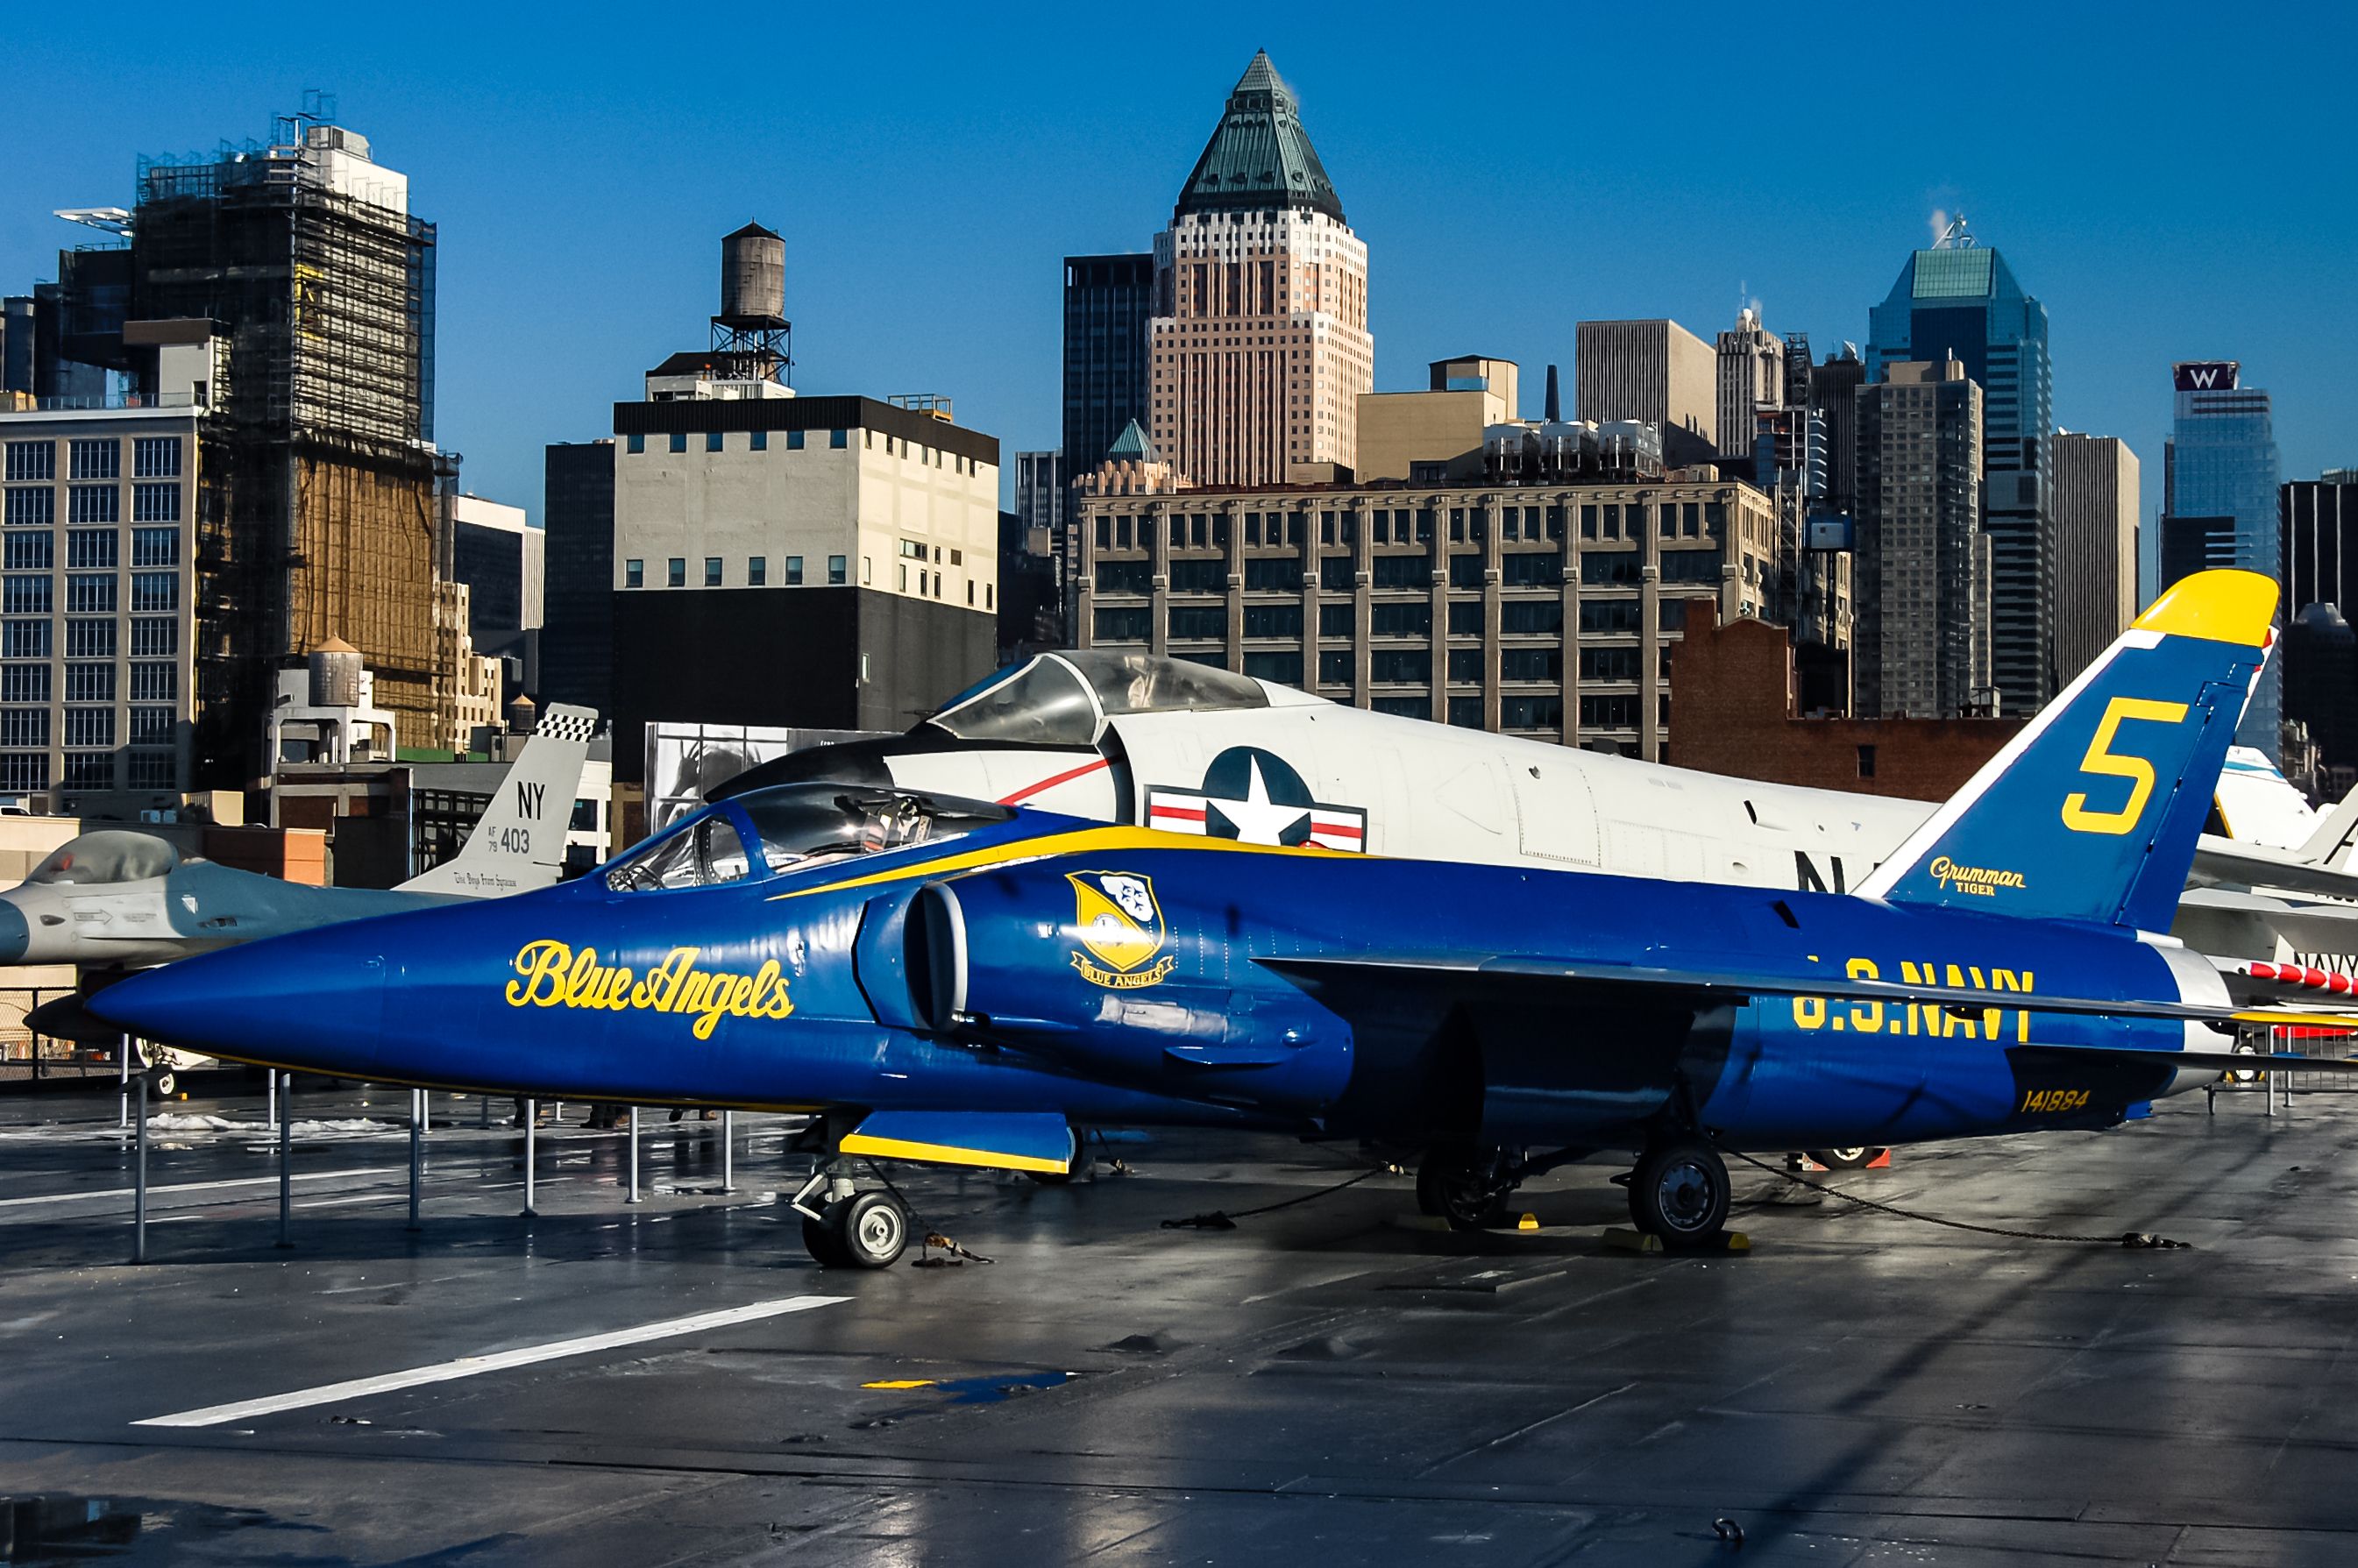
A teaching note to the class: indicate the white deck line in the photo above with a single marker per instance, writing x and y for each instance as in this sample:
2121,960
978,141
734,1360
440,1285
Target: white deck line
500,1361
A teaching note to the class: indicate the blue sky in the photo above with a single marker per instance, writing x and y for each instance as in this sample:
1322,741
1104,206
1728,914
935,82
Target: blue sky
2169,186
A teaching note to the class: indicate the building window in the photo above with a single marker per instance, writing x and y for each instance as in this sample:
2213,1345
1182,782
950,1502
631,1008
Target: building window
676,574
32,461
969,591
867,570
1273,621
1336,620
158,638
24,772
635,574
151,591
24,640
25,726
156,457
1616,712
1466,712
1334,667
712,442
1595,663
679,440
1866,762
155,547
1547,712
712,571
839,439
155,769
793,440
90,726
794,571
1466,665
1284,668
25,595
155,504
91,595
154,683
904,577
93,504
758,441
97,459
150,725
1122,625
637,443
91,640
25,683
93,549
757,571
91,772
90,683
1596,615
1412,620
1400,666
31,508
28,552
837,573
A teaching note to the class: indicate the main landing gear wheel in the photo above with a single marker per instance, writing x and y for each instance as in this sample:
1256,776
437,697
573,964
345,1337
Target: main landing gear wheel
162,1082
1679,1193
1857,1159
1462,1187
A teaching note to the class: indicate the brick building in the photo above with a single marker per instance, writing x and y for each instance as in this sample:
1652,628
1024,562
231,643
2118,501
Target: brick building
1733,712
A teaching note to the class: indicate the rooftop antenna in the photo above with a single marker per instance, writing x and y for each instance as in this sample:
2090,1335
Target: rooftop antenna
1954,237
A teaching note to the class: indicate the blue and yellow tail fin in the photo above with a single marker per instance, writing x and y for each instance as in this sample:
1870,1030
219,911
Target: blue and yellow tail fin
2093,810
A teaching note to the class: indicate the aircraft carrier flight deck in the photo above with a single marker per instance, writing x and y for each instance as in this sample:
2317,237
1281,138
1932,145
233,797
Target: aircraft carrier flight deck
1336,1380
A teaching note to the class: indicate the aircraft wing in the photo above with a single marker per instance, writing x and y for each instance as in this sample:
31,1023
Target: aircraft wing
1503,977
2224,862
2230,923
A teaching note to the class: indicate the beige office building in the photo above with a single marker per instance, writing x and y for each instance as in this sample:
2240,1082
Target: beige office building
1656,372
1751,377
1546,610
2095,547
1259,343
1408,435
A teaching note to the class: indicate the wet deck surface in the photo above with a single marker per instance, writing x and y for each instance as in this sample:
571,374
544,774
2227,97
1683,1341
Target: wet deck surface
1333,1383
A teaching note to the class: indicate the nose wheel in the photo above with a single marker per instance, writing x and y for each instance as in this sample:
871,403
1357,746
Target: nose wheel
1679,1192
1465,1186
846,1228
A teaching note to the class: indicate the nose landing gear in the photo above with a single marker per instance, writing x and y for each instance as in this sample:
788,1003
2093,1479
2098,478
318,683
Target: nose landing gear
1465,1185
847,1228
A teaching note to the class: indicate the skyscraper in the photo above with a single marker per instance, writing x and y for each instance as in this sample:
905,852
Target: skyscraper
2220,465
1921,574
1834,393
318,421
2318,554
1108,302
577,637
1259,340
1962,298
1656,372
2095,547
1751,377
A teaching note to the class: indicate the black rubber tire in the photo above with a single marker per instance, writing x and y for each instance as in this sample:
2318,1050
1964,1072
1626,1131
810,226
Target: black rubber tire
824,1242
1848,1159
1448,1183
1679,1192
872,1228
162,1083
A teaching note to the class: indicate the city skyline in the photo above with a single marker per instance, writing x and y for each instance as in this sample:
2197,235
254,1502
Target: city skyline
925,247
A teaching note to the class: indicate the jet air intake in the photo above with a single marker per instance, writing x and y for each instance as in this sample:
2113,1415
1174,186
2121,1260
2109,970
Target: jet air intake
1086,970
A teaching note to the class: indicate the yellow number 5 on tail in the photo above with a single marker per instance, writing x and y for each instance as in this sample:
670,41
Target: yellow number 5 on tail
2102,760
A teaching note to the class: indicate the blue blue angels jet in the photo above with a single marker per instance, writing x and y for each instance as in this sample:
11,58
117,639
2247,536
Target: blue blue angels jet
946,980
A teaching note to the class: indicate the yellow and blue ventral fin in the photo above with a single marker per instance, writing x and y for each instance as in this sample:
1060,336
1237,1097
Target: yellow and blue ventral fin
1001,1141
2092,811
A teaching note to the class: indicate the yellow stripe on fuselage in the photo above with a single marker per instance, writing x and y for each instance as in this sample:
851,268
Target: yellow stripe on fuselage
949,1154
1084,840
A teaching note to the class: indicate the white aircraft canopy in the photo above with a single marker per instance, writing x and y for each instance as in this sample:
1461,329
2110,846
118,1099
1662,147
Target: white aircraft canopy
1064,699
100,858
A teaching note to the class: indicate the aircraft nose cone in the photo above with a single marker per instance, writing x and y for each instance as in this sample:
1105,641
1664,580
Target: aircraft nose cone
311,1000
16,935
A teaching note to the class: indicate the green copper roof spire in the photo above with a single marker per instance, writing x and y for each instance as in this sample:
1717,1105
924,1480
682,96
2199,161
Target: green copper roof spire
1260,159
1132,443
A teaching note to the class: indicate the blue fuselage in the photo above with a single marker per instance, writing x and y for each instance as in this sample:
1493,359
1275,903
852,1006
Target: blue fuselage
1117,976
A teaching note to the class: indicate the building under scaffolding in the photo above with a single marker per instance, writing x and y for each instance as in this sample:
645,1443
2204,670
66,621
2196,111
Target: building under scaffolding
323,515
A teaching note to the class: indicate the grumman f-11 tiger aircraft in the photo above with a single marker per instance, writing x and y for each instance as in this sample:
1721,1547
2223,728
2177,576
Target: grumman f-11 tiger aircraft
1164,743
963,982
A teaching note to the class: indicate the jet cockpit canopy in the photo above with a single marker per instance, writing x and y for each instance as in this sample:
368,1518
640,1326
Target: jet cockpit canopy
1065,699
766,831
106,857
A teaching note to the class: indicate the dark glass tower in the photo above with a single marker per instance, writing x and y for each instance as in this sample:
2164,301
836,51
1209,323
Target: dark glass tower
1962,299
1107,302
577,635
